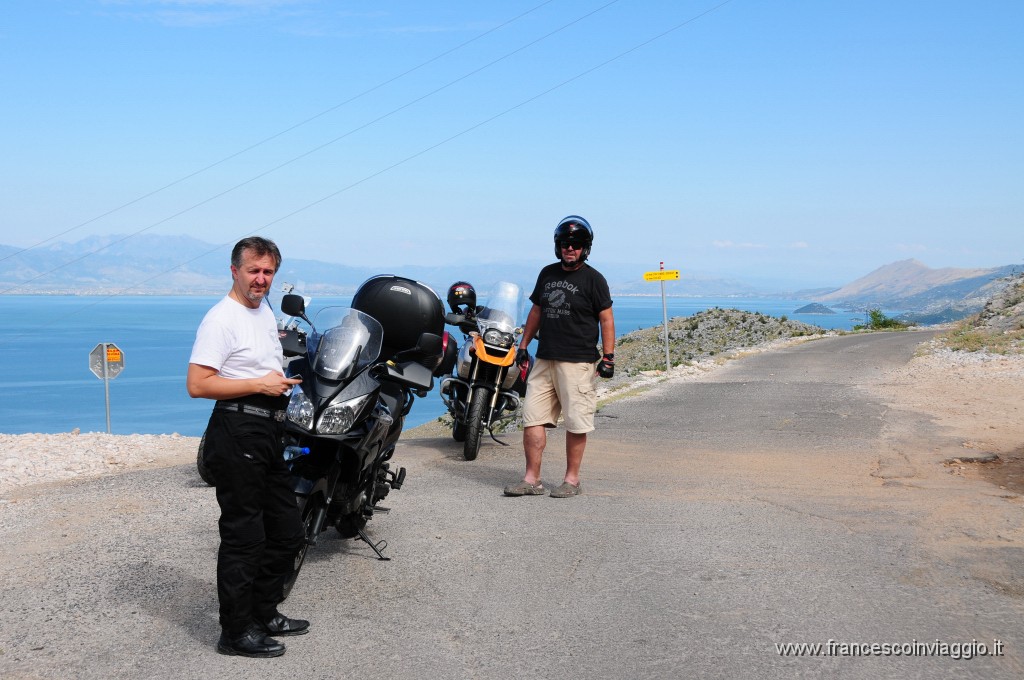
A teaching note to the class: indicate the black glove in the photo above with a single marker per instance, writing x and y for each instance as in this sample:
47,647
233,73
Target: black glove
522,357
606,367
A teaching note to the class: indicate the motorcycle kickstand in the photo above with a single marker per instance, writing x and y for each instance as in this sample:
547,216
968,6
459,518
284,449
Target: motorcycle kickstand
377,547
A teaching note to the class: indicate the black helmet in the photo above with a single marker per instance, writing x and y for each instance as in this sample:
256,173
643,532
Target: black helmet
576,230
462,293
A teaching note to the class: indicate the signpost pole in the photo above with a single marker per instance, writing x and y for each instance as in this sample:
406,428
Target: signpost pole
662,275
664,316
106,385
106,360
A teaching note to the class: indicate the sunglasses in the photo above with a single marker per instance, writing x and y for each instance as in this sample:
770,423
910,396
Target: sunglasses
567,245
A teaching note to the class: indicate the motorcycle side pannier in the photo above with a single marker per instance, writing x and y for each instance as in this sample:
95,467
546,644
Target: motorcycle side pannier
405,309
450,353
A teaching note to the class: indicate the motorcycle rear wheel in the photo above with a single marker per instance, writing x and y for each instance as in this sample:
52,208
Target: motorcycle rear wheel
308,510
458,431
475,423
204,472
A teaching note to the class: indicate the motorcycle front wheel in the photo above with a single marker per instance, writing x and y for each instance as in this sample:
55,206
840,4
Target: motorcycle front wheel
308,509
478,412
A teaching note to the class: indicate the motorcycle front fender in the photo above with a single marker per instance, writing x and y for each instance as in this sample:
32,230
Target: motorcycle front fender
493,355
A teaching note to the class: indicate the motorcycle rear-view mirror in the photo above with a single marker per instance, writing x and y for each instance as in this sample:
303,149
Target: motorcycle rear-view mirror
294,305
429,344
460,321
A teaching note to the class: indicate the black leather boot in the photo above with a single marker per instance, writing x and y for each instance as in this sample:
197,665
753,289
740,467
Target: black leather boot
252,642
282,625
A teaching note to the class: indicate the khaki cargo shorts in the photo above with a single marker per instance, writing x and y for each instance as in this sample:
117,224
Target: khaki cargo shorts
561,387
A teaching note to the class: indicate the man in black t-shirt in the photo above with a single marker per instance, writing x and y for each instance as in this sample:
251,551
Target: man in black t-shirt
571,308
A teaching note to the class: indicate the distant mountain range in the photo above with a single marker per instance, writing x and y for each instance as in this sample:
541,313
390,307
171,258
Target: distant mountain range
149,264
926,295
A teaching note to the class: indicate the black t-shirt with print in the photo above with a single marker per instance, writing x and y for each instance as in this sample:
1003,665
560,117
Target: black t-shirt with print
569,306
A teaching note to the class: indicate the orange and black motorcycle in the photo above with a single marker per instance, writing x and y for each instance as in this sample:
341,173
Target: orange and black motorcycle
486,385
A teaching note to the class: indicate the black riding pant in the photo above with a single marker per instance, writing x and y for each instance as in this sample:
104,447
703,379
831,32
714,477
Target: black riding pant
260,527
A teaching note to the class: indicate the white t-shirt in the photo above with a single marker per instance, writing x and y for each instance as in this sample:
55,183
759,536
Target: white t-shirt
238,341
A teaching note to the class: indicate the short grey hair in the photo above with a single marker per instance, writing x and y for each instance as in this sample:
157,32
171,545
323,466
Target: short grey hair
259,246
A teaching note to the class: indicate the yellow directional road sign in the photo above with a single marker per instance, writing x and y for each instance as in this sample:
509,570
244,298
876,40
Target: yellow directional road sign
661,275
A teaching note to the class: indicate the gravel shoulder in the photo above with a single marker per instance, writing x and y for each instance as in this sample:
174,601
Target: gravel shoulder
978,397
31,459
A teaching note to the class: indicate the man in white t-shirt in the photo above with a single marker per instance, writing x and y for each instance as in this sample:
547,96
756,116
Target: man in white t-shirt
237,360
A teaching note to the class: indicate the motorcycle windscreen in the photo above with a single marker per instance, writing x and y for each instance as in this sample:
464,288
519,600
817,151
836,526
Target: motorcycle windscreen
349,345
504,306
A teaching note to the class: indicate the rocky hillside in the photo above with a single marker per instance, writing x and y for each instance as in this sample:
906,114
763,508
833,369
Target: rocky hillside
1004,313
998,327
701,336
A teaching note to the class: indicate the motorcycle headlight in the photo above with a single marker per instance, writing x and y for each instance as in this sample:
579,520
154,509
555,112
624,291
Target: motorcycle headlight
339,418
492,336
300,409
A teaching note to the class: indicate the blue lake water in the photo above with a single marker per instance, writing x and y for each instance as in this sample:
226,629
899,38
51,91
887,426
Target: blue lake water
47,340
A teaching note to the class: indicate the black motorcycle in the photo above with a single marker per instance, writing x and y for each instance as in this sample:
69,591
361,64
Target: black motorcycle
362,368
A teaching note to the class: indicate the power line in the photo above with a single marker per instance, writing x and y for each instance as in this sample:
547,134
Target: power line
279,134
409,158
319,147
496,116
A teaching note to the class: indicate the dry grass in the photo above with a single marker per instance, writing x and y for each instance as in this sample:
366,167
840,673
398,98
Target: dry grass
965,337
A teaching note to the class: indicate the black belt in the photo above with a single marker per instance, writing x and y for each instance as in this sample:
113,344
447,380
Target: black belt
249,410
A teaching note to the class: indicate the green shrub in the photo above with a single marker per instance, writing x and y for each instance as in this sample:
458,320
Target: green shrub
878,321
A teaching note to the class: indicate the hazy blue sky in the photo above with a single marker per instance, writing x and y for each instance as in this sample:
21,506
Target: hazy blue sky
805,142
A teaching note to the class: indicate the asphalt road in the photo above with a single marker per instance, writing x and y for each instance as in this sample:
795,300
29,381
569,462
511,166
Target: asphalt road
720,520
